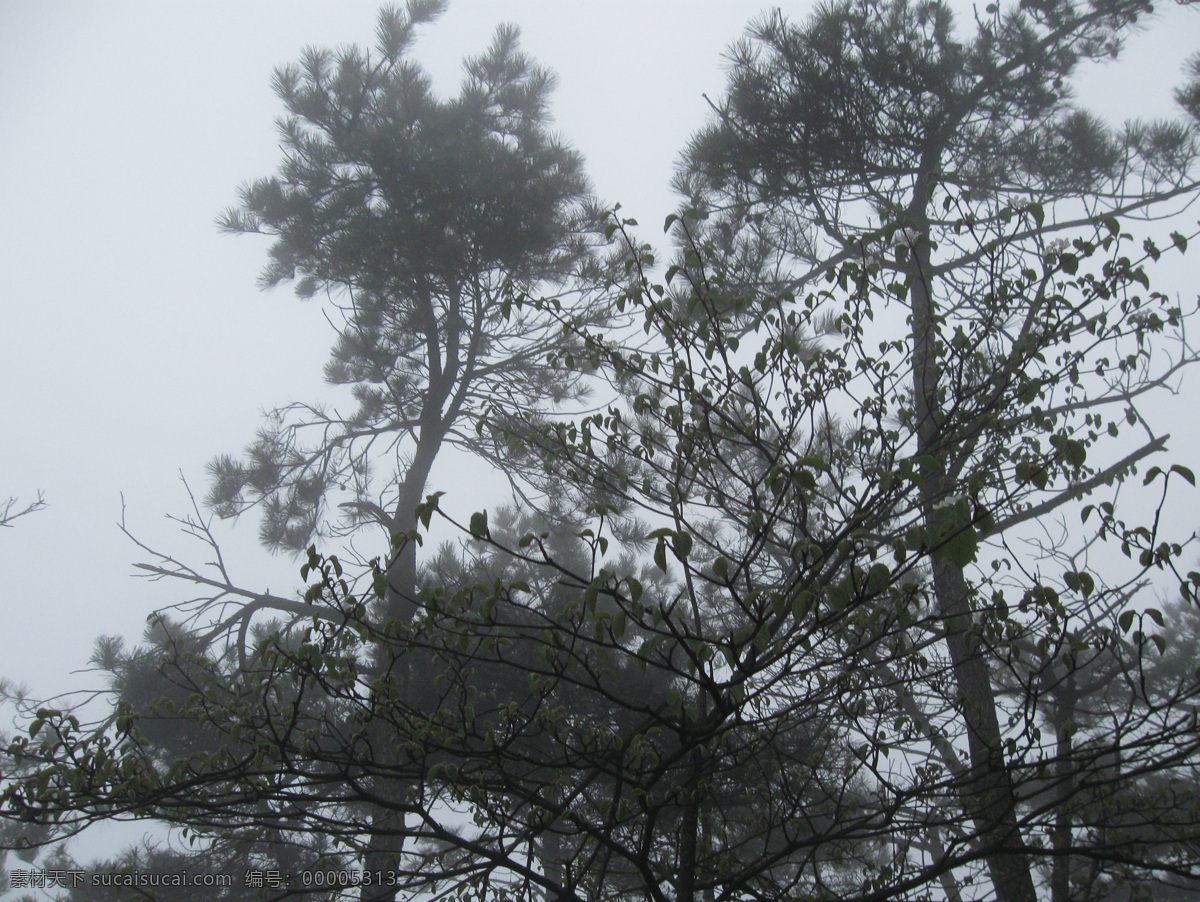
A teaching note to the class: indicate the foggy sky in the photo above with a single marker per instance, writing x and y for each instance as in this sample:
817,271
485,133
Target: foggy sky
136,344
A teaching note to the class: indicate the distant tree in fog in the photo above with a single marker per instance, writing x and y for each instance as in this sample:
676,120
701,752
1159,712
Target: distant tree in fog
958,167
417,219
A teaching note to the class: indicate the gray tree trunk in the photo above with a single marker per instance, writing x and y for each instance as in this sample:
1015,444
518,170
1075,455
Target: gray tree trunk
989,793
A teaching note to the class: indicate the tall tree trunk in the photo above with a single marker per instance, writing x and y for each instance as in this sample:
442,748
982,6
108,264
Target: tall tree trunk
689,830
1064,772
990,796
550,850
386,843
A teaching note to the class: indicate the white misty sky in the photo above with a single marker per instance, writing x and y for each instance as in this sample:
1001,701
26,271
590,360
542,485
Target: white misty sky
135,342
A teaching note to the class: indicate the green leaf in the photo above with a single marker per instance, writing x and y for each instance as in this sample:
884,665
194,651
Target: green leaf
479,525
648,646
1125,621
1185,473
675,701
838,597
954,538
1028,391
961,548
761,638
1087,585
878,578
1074,452
817,463
660,555
635,589
683,545
425,510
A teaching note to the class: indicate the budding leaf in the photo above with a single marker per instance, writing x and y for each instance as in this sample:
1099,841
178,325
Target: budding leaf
479,525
